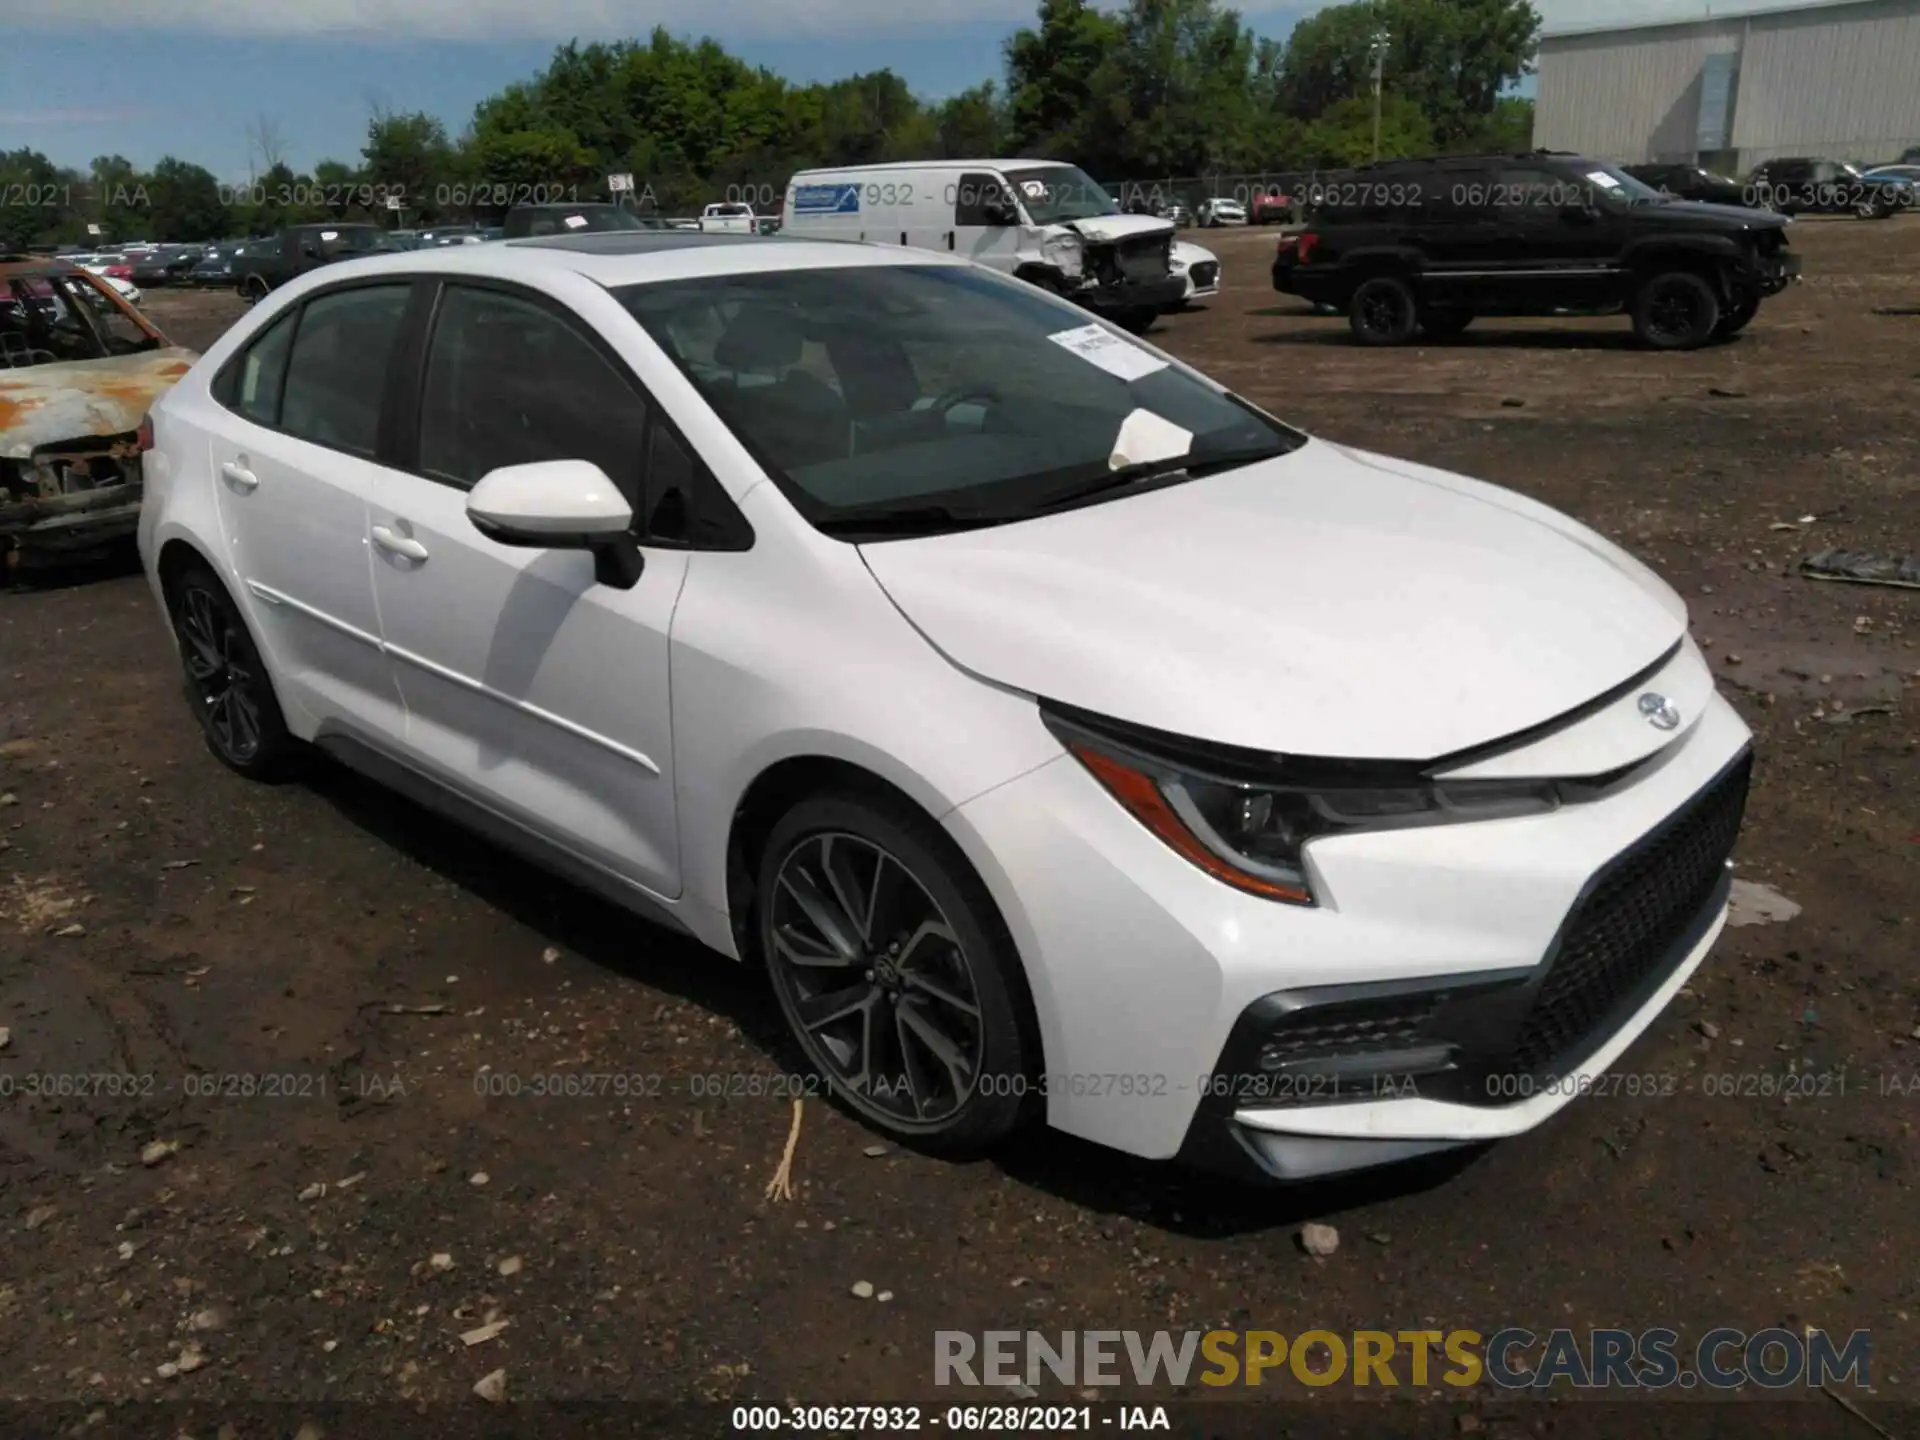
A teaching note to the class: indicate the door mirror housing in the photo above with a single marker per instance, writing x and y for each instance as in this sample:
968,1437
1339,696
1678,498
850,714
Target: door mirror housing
1000,211
560,505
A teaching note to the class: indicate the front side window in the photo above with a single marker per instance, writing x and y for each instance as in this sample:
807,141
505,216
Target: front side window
510,383
337,371
934,395
51,319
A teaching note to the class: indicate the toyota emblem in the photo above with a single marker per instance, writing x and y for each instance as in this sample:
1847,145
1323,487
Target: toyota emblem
1661,712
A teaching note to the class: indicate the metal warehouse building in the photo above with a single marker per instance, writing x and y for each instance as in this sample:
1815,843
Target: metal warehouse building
1837,79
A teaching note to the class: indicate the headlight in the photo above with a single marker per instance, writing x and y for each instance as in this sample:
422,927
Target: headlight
1064,253
1246,818
1177,265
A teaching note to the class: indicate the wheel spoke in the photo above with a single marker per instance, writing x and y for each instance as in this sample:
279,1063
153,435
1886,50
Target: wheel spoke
917,1084
799,949
942,994
837,865
823,1010
834,926
938,1045
246,720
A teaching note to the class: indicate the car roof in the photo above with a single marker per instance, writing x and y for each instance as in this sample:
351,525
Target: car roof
633,257
938,165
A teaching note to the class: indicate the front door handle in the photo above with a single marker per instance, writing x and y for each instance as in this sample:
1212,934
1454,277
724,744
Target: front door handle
398,544
239,476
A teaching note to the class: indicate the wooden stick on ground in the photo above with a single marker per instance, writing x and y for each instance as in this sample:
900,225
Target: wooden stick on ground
781,1187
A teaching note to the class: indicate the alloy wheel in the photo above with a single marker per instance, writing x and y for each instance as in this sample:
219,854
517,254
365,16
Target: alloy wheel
1383,311
874,976
1673,313
221,674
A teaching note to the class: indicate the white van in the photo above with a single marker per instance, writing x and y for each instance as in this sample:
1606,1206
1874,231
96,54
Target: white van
1043,221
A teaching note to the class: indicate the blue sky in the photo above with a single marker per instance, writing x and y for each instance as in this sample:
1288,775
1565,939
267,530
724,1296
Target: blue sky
192,78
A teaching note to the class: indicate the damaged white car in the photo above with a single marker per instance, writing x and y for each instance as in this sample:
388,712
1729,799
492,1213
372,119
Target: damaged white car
79,369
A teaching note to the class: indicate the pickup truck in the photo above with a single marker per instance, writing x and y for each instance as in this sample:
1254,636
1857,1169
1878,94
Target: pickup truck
265,265
730,217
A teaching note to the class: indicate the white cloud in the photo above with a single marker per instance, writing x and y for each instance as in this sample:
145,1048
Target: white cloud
505,19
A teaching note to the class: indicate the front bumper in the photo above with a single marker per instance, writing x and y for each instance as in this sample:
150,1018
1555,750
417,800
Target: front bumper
1144,969
1133,295
52,523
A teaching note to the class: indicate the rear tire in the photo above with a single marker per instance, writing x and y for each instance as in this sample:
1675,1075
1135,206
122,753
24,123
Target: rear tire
1383,311
227,682
1675,310
895,974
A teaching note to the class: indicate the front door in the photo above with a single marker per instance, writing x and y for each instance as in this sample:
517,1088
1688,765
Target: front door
538,692
293,464
1558,241
980,231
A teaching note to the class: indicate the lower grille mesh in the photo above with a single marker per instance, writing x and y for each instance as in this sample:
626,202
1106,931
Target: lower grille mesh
1630,921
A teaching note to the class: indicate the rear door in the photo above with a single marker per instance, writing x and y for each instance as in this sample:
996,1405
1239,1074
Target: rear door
1557,239
1458,238
530,687
294,461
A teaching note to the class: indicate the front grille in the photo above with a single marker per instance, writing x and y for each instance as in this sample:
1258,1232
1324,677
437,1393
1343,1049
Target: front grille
1206,273
1145,258
1630,921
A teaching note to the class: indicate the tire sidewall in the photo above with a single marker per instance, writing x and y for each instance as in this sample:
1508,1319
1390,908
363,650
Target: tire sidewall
279,750
1410,319
1005,1096
1706,325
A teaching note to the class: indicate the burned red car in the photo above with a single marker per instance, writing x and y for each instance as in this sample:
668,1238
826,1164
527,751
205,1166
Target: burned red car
79,369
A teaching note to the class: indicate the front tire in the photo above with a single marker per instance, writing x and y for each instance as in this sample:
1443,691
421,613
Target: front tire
894,973
1136,322
1384,311
1675,310
1737,317
227,682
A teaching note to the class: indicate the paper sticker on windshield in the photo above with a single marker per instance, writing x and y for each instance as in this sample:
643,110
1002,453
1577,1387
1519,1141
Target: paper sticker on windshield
1600,177
329,234
1034,189
576,222
1098,345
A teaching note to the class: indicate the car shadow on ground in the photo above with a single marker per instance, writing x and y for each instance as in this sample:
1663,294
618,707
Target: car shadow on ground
112,562
1103,1181
1336,333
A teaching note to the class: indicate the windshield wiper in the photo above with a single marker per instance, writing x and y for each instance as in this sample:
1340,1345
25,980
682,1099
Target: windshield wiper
1144,471
905,520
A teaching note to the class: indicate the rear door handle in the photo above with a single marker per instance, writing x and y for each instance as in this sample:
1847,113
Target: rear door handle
239,476
386,539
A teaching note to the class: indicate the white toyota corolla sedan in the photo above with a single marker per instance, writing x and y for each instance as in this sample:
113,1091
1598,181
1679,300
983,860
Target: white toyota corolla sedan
1068,738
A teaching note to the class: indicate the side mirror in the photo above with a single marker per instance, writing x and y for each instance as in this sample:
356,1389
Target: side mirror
1579,214
1000,212
560,505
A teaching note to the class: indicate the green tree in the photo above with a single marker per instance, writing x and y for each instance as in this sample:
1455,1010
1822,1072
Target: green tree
1453,61
1343,136
1052,75
408,153
187,204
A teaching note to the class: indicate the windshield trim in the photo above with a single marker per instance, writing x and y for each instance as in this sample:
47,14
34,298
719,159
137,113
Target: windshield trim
973,505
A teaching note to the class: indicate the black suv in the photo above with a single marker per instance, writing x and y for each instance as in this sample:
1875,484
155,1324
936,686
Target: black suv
265,265
1412,246
526,220
1827,187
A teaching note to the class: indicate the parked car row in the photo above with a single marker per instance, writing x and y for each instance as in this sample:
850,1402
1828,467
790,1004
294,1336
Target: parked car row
1794,186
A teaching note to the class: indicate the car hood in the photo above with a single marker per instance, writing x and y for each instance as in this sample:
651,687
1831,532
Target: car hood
40,404
1192,254
1120,227
1329,602
1705,215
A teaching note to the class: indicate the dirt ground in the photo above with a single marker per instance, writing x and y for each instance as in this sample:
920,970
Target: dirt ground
307,980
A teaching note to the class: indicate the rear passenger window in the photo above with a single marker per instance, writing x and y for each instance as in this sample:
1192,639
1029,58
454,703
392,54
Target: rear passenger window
337,372
263,368
510,383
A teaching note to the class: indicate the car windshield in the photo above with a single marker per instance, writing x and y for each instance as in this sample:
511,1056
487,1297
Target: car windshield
51,319
1053,193
1852,171
1620,186
901,399
359,241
